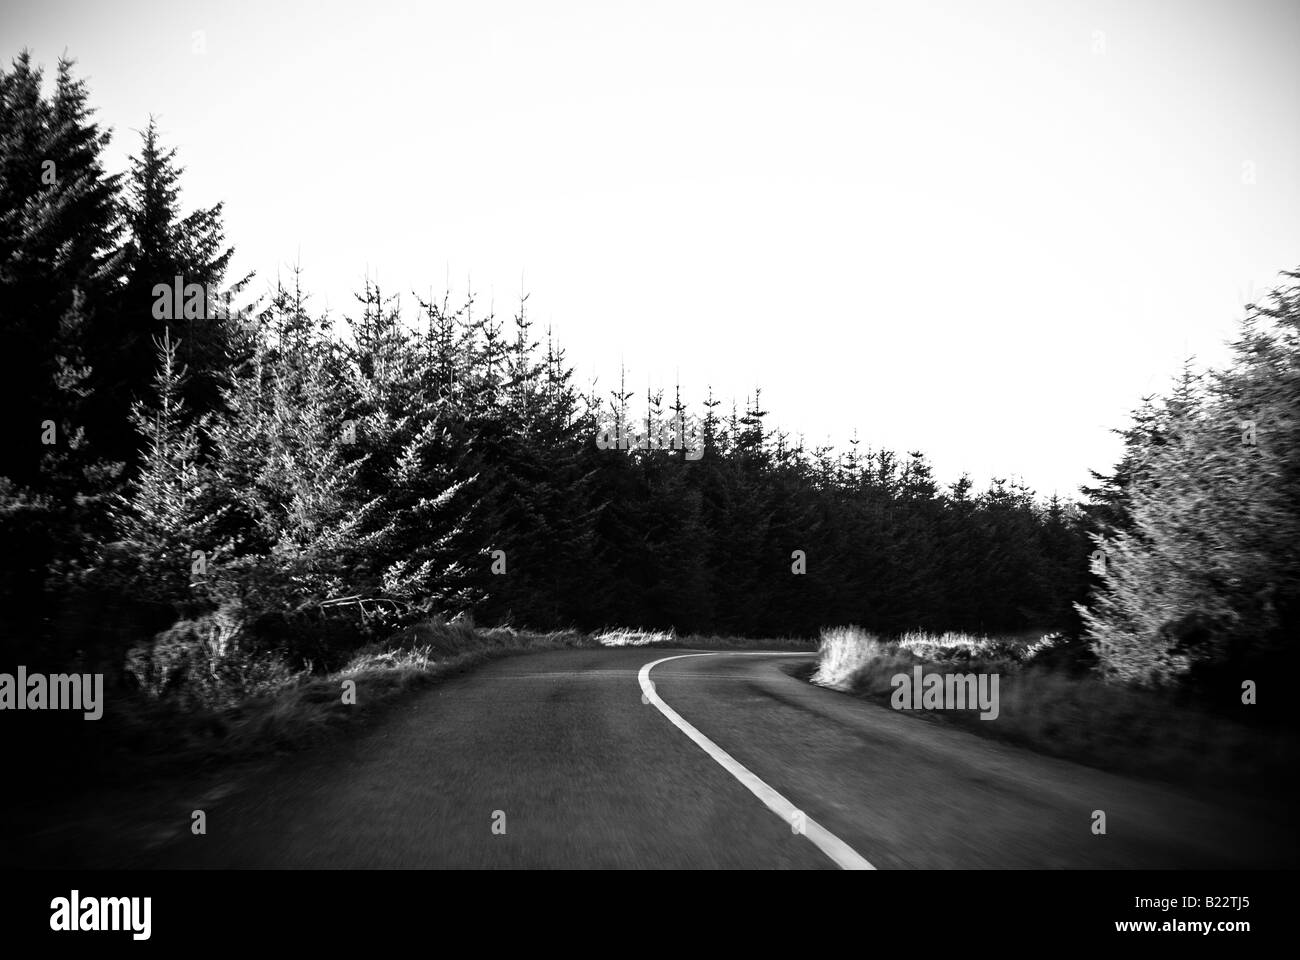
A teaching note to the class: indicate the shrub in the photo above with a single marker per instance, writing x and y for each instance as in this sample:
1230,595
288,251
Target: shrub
205,662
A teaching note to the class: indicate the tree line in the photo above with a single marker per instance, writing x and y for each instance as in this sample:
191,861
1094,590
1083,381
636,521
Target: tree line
175,460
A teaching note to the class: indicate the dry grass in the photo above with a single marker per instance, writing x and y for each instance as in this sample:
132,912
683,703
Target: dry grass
637,637
850,658
634,637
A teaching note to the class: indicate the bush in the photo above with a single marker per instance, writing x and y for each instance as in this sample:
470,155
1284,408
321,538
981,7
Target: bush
850,656
206,662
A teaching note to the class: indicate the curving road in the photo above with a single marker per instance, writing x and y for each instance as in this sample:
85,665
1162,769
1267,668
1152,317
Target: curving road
583,767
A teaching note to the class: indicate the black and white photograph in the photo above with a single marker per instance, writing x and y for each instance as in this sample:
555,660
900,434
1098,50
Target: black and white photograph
590,437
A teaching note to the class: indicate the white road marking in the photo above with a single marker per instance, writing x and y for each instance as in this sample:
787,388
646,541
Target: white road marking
829,844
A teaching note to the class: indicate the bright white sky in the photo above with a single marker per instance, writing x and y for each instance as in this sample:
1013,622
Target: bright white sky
982,231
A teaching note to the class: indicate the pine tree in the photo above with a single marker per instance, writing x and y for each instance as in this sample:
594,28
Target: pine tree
411,441
283,464
1206,572
167,248
165,524
59,241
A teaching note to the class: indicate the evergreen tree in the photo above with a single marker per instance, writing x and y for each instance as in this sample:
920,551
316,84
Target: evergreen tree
165,524
171,257
282,462
1206,572
59,244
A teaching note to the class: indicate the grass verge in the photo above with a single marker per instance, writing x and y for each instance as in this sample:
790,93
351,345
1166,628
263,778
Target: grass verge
1051,702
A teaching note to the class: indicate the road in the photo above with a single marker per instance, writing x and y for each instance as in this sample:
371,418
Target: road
577,768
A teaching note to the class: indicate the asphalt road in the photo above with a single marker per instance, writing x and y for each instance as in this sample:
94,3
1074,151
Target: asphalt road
563,751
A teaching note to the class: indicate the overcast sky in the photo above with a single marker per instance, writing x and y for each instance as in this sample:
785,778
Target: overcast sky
984,234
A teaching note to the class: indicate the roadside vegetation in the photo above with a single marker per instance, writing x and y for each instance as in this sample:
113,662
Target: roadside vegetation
1055,700
635,637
